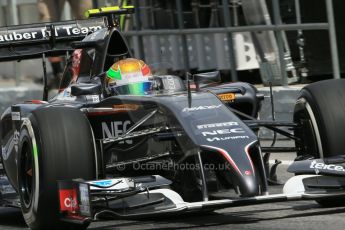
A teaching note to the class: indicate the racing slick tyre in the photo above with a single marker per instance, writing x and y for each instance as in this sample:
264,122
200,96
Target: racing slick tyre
320,111
56,143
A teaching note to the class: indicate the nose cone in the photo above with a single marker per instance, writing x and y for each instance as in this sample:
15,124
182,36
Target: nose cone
242,171
248,185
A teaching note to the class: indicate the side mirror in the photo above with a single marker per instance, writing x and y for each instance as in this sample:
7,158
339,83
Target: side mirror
207,78
86,89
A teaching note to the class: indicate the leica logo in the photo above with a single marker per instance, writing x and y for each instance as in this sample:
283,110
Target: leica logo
315,165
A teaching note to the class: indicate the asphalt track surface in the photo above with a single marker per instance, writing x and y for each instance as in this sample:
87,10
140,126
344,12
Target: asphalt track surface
287,215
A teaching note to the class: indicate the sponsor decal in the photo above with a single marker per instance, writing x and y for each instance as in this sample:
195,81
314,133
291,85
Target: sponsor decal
222,132
126,107
70,30
84,205
217,125
226,138
66,95
116,129
84,193
207,107
13,144
44,32
112,184
171,83
18,36
93,98
16,140
227,96
68,200
217,135
15,116
318,165
103,183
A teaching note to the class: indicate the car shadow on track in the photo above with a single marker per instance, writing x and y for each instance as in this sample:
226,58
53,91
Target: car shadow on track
188,221
11,218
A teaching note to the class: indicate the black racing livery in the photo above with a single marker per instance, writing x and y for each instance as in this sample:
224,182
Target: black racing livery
84,154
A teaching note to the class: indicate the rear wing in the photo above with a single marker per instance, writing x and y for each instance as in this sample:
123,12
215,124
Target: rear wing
52,39
32,40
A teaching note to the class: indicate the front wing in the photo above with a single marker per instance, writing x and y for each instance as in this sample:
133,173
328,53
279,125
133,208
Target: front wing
151,196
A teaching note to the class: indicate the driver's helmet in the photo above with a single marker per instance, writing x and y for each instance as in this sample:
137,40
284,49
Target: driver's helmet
129,77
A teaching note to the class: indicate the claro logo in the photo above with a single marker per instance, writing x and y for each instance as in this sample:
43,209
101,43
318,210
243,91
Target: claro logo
68,199
201,108
70,203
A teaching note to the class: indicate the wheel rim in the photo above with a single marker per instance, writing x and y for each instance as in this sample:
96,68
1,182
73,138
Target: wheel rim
27,176
307,113
316,129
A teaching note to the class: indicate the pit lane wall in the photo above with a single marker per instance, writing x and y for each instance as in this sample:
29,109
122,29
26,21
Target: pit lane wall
284,101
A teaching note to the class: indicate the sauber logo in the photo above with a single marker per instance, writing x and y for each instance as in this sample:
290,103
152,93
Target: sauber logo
201,108
116,129
315,165
27,34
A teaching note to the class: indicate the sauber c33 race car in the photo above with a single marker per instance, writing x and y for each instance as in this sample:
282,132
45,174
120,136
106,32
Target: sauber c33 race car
84,155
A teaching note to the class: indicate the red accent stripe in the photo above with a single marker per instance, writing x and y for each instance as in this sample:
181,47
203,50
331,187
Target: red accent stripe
250,159
226,156
145,70
37,102
103,113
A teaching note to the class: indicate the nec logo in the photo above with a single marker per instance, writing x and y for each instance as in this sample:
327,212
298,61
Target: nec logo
223,132
116,129
201,108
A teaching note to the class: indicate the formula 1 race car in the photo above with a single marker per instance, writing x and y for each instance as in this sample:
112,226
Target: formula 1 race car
188,146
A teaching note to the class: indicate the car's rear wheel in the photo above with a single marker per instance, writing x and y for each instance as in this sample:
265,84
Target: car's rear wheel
320,111
56,143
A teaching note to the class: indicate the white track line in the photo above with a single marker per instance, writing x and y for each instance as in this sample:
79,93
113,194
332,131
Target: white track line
283,162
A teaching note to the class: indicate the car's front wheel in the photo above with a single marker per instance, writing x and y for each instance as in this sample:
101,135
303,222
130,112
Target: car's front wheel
320,112
56,143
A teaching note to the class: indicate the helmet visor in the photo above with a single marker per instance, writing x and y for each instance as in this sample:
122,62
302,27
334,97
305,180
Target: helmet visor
139,88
